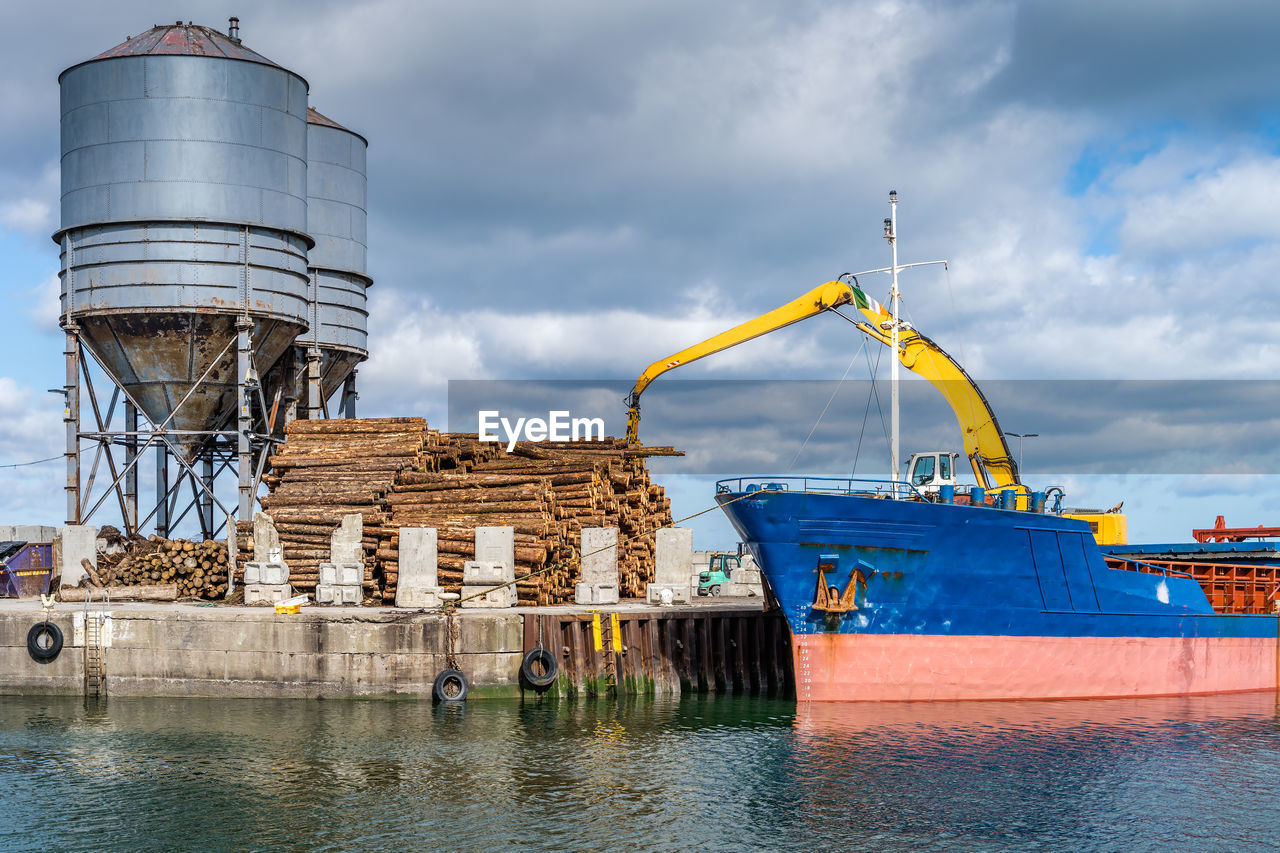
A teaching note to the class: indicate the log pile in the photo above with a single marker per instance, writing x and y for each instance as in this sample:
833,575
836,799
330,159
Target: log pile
396,472
330,468
547,491
198,569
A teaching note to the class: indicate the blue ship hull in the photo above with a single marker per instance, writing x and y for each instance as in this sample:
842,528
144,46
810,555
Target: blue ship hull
954,601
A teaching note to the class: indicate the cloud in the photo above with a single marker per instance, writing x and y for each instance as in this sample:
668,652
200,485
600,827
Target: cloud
1213,206
30,430
575,189
46,304
1145,59
27,214
31,201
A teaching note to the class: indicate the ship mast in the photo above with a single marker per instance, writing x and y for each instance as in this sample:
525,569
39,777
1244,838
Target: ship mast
891,234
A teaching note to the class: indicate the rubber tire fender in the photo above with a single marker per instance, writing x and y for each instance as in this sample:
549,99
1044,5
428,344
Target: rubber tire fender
450,686
550,667
39,653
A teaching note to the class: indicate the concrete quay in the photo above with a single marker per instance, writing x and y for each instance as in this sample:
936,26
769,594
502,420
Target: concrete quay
191,649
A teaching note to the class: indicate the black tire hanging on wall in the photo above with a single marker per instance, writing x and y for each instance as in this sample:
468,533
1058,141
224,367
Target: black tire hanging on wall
44,642
451,686
539,669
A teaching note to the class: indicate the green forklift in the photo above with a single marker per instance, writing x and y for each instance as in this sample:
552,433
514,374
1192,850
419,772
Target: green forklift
718,572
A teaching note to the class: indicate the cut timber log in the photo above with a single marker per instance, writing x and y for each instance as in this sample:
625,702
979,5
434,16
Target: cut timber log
140,592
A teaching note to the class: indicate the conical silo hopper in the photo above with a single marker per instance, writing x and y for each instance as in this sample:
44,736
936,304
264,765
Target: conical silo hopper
184,215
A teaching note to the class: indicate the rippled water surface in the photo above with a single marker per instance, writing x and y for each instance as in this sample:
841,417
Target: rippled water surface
730,774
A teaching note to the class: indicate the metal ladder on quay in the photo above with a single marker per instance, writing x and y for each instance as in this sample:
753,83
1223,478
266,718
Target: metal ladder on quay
95,660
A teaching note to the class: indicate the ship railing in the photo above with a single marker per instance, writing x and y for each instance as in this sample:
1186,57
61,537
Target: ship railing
877,488
1149,568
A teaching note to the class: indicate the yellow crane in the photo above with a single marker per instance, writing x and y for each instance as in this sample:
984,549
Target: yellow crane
993,465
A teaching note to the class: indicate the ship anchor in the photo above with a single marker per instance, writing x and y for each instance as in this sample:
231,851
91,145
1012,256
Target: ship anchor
828,598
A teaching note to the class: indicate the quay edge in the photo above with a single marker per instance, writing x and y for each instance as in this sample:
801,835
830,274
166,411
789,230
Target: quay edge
188,649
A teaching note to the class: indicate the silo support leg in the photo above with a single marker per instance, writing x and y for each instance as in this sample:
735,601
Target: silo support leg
162,490
244,451
315,397
349,396
206,496
131,468
71,420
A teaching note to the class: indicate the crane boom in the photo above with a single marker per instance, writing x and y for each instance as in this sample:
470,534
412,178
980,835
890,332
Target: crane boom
984,443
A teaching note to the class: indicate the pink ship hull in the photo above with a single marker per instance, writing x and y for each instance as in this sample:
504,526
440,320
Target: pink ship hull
921,667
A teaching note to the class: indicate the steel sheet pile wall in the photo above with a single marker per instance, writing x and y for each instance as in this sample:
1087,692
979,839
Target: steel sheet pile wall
396,472
184,207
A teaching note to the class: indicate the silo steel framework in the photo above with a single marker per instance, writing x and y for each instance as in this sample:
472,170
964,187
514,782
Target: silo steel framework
184,263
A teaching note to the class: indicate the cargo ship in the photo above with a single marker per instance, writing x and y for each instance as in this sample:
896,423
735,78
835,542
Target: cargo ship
921,589
915,599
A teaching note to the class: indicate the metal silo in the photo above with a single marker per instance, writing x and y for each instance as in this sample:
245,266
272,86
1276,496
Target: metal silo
336,189
184,235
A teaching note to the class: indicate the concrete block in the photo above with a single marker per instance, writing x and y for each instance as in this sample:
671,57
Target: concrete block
74,543
345,574
600,556
678,593
339,593
673,557
266,542
504,597
266,574
268,594
418,597
418,584
485,573
27,533
586,593
496,545
418,558
345,544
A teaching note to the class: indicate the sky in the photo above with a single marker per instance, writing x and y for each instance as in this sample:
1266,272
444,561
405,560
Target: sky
571,190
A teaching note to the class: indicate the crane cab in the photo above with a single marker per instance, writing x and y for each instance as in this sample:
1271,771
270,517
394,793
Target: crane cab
929,472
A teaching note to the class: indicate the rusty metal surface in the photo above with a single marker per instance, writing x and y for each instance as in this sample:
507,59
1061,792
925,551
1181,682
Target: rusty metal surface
157,356
314,116
665,650
179,39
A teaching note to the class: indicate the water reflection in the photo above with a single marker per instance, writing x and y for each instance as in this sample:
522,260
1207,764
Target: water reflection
708,773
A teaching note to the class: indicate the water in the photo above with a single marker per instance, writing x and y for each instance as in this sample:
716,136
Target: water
720,774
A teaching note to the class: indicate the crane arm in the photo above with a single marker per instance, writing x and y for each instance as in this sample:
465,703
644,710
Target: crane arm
984,443
822,298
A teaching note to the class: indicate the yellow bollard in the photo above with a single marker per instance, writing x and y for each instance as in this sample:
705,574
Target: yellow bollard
617,632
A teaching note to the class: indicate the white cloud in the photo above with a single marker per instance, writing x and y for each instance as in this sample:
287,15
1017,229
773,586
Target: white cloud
27,214
30,209
1215,205
46,304
30,430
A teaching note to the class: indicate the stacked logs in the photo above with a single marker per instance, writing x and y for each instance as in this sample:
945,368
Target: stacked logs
198,568
330,468
547,491
396,472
